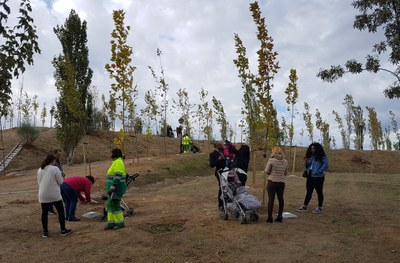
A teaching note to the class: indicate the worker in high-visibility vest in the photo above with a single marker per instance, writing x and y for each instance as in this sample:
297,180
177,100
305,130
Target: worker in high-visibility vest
116,188
186,142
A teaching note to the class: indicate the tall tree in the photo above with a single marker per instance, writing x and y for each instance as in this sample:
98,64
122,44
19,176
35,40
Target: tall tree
73,77
121,70
267,68
17,46
374,128
374,16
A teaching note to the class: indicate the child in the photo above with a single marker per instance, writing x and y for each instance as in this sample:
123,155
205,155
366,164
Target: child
229,155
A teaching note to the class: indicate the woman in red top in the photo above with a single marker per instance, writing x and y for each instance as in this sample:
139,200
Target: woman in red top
71,190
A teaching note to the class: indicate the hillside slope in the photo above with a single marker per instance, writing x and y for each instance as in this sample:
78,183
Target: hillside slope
98,146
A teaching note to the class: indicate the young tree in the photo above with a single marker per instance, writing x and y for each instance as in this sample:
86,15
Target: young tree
359,127
35,107
250,110
395,130
374,128
339,121
163,92
122,91
291,99
184,109
17,46
374,15
386,139
73,77
26,108
221,118
52,112
348,104
307,119
202,114
43,114
151,111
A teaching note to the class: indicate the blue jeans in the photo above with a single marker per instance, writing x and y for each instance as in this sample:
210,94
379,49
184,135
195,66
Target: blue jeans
70,198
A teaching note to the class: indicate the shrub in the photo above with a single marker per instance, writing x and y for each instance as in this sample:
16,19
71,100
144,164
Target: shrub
27,133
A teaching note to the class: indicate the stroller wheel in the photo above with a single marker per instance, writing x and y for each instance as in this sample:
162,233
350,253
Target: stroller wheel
255,216
223,216
242,219
235,214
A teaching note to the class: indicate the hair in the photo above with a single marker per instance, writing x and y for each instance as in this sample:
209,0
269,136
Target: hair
56,150
319,151
116,153
49,159
277,150
91,178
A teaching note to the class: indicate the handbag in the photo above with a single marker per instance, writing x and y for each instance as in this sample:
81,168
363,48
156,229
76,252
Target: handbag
306,174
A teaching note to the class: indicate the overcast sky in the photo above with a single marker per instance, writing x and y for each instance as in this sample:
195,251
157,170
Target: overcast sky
197,42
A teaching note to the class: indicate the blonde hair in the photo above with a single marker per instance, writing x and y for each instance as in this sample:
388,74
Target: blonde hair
276,150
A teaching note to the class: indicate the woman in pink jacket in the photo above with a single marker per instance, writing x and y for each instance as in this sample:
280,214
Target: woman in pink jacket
276,169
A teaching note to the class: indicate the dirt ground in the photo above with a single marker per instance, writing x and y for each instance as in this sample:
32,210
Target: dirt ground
177,221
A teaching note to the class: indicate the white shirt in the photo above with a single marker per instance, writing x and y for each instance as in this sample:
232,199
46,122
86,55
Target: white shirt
49,180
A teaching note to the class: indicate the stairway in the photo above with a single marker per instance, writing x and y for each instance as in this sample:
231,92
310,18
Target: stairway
4,163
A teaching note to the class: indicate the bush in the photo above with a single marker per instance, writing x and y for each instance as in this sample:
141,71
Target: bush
27,133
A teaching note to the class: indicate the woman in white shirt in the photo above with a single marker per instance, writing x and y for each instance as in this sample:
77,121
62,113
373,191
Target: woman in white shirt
49,179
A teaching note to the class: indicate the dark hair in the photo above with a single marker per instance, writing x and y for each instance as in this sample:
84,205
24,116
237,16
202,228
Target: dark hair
319,151
91,178
56,150
116,153
47,161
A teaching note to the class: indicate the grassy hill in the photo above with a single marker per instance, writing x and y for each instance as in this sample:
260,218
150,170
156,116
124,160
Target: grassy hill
98,146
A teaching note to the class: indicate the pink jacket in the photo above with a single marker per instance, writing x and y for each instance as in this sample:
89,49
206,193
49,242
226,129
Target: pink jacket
227,153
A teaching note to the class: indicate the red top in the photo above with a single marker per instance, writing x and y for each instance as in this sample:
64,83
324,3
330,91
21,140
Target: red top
80,184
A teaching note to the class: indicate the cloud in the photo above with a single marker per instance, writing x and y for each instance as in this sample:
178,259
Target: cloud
197,41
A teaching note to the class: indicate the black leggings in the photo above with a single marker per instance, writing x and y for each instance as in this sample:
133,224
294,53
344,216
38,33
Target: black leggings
316,183
45,212
220,202
272,189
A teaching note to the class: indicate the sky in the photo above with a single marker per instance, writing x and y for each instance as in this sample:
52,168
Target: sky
197,43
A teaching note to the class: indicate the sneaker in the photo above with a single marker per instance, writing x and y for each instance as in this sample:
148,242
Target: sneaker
73,219
52,212
45,234
109,227
317,211
302,209
66,232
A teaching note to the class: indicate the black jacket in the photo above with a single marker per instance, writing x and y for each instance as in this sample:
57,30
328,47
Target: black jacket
215,162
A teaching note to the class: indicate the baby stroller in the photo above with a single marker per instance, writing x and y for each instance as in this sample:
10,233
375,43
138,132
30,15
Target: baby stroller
236,199
128,211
